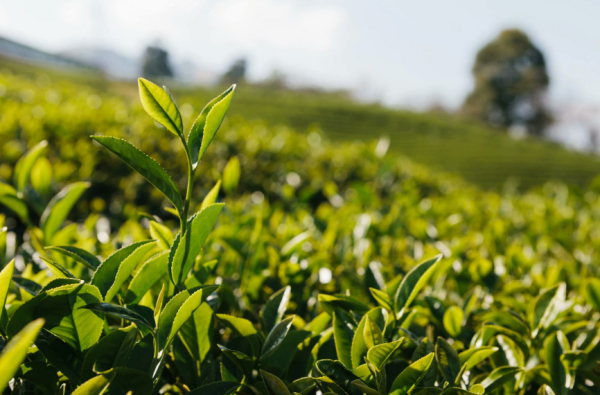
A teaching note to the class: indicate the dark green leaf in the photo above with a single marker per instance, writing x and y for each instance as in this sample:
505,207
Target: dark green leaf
275,337
146,166
78,254
111,351
343,333
340,375
275,307
60,308
556,346
274,385
447,359
120,312
218,388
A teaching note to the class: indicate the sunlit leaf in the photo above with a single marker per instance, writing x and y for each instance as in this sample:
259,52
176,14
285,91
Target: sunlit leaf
207,124
159,105
59,207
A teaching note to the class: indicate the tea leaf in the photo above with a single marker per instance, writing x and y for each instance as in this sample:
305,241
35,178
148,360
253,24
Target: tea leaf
343,332
178,310
115,270
198,229
77,254
121,312
15,351
211,196
413,282
150,272
111,351
411,376
162,234
159,105
57,269
447,359
379,354
25,164
96,386
275,337
499,376
207,124
231,175
146,166
60,308
359,346
453,318
274,385
275,307
5,277
59,207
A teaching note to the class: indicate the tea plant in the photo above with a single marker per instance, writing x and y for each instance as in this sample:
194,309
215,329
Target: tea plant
175,312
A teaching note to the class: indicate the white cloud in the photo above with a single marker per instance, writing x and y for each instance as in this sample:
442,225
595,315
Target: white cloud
278,24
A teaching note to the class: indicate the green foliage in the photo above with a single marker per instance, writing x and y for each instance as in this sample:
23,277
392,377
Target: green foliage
318,274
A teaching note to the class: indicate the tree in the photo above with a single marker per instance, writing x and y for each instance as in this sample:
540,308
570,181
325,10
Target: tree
510,84
156,63
236,73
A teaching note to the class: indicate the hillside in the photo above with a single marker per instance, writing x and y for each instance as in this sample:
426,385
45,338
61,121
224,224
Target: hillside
480,154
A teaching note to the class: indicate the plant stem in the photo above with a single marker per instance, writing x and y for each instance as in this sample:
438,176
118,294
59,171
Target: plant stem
184,216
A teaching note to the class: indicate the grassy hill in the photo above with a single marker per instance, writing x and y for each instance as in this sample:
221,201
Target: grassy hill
482,155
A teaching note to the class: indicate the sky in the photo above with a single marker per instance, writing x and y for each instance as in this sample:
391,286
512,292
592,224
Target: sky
404,53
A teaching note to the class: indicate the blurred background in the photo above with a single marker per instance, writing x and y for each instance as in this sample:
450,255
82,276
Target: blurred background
494,91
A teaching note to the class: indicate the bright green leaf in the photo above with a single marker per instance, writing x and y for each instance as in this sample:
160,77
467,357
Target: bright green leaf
15,351
115,270
198,229
207,124
25,164
411,376
160,106
412,284
59,207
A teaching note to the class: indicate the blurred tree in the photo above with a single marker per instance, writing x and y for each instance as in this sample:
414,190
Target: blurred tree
156,63
236,73
510,82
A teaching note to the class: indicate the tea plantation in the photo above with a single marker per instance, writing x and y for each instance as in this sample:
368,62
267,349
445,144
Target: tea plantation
272,262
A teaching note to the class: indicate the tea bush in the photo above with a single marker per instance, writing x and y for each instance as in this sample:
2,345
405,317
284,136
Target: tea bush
331,269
